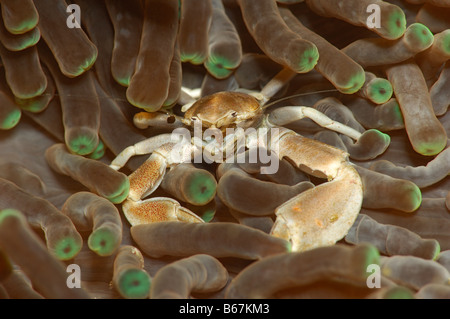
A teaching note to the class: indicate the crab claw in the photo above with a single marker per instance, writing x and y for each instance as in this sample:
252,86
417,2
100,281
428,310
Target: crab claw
157,209
147,177
324,214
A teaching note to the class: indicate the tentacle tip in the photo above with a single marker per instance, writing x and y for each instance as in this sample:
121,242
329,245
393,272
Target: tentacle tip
380,91
121,194
383,137
419,37
196,58
289,247
9,212
123,80
437,249
201,189
308,60
371,255
396,25
415,198
81,140
104,241
11,120
139,101
399,292
99,151
67,248
354,84
218,69
431,148
134,283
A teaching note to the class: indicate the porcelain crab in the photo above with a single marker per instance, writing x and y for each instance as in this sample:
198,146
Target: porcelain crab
317,217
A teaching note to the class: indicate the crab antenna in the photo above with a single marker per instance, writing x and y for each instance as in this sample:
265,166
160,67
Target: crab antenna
297,95
275,84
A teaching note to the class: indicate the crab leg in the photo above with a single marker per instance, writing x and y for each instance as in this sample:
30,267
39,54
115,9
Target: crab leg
322,215
289,114
149,175
157,209
147,178
368,144
141,148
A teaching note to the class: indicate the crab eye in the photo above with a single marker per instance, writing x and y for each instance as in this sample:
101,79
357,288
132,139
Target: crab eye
234,114
194,119
171,119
